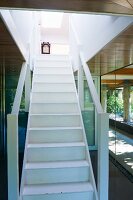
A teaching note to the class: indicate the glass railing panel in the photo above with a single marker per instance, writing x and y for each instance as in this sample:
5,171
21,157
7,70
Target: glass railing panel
88,114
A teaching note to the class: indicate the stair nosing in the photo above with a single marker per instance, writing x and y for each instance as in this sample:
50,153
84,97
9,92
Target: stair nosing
54,74
56,145
54,114
52,92
57,128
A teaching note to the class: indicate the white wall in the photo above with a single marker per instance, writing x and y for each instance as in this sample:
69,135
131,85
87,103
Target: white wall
95,31
24,24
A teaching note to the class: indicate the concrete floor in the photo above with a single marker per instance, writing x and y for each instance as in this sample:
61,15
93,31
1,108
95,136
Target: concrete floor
121,148
120,188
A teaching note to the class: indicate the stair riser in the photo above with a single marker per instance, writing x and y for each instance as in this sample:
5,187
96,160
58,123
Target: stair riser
62,196
43,87
54,108
52,70
50,57
53,78
52,136
55,154
54,97
58,175
52,64
55,121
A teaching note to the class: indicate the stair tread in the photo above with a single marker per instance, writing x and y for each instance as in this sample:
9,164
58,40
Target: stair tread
54,103
54,92
56,66
54,114
52,57
51,83
59,164
70,144
56,128
57,188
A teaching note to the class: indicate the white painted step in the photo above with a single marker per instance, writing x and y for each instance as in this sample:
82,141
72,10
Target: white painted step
50,57
56,172
66,191
55,108
53,87
53,63
53,97
52,70
53,135
54,120
53,78
48,152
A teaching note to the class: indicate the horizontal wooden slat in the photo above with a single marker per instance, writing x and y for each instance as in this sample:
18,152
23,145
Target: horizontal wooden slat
102,6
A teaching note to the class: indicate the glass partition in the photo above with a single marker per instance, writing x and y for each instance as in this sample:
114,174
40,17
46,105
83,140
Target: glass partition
117,99
88,112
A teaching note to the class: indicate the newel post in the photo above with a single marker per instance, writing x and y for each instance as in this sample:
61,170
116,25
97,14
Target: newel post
12,157
103,156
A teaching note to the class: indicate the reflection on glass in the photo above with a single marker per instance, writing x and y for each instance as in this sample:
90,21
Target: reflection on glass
117,99
89,115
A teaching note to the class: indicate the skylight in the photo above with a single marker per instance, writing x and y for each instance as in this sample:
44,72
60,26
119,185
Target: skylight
51,19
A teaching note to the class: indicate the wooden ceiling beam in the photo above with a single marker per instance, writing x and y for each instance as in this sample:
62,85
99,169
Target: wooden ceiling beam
93,6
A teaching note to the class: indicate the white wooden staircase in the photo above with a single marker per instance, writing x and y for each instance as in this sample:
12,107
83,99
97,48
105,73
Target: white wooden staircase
56,161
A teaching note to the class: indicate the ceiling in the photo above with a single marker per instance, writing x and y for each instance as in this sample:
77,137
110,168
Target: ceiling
57,35
10,56
118,78
115,55
91,6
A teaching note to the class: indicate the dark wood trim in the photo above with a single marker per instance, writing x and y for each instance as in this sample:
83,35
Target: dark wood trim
103,6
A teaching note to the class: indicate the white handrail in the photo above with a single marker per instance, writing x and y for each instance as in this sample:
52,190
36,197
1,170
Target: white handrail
19,90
